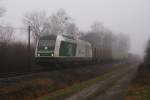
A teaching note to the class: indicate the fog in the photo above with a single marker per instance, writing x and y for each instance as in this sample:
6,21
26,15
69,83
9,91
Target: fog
126,16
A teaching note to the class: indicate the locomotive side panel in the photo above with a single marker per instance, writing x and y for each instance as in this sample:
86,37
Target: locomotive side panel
67,49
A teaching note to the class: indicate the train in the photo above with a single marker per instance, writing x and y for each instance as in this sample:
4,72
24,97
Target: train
60,49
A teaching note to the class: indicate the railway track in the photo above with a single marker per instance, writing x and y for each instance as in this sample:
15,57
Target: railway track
34,68
15,76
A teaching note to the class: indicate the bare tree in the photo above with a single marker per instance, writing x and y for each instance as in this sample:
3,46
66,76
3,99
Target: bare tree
6,34
2,11
147,56
71,28
5,31
37,21
97,27
59,21
121,46
54,24
123,42
107,39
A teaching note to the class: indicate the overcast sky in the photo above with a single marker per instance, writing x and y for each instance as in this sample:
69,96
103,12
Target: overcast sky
131,17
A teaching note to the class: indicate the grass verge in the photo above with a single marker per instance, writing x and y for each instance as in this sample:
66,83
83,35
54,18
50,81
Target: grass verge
63,93
66,92
138,92
140,87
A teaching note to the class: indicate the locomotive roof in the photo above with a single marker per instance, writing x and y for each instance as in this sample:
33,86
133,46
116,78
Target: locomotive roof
75,40
49,37
53,37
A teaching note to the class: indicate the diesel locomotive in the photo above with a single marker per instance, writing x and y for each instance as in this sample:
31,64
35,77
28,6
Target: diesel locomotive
62,49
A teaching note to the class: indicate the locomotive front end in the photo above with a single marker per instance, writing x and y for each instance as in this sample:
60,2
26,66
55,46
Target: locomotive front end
45,48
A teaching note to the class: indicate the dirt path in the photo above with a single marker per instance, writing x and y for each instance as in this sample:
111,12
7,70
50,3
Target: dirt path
112,88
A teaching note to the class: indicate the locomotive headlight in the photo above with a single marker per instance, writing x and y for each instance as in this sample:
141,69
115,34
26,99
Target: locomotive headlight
38,54
45,48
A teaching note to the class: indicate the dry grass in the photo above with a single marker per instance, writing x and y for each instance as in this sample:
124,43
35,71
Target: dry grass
66,92
138,92
61,94
140,88
32,88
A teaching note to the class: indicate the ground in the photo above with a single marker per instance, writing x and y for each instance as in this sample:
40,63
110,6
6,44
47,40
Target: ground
84,83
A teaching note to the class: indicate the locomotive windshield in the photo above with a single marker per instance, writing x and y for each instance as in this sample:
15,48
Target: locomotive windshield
46,43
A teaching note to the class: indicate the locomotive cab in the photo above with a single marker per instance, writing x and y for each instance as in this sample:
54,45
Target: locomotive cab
45,46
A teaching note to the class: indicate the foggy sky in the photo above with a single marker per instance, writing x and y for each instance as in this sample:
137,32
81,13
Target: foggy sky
131,17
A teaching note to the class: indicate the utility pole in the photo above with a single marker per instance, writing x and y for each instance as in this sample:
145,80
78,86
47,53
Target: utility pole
29,48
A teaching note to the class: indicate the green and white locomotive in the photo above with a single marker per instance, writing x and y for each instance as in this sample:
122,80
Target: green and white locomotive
62,49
